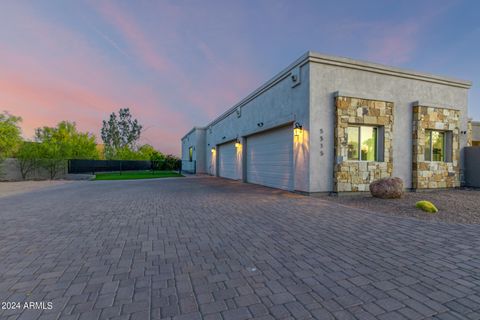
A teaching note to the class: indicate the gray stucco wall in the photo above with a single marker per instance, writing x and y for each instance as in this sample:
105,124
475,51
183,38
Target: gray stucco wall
196,139
325,80
276,103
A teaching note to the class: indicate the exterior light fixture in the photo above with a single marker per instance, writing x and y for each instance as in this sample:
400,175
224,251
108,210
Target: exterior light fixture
297,129
237,144
213,149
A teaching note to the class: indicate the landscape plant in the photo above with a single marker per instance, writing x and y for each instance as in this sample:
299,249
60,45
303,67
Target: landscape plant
28,158
426,206
10,134
57,144
120,134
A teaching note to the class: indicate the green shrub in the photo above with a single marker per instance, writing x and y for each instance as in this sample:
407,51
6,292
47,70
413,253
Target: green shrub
426,206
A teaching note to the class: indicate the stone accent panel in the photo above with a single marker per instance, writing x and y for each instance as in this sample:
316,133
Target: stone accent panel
353,175
435,174
469,133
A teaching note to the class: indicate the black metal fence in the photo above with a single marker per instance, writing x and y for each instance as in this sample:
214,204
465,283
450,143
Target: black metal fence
92,166
472,169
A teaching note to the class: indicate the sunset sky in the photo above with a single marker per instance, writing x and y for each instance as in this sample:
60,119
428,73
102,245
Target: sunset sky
177,64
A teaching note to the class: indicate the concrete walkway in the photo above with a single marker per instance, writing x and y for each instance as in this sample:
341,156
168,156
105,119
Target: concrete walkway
209,248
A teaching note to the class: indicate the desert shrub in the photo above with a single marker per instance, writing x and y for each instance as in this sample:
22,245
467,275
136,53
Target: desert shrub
426,206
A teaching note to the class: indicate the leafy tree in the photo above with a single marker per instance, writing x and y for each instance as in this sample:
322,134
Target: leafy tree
126,153
10,134
120,132
28,158
64,142
149,153
171,163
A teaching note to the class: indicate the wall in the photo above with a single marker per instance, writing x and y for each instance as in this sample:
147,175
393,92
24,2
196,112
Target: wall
354,175
195,139
276,103
10,171
435,174
326,79
475,133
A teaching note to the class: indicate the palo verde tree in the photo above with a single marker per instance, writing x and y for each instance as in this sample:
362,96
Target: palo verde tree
63,142
28,158
120,133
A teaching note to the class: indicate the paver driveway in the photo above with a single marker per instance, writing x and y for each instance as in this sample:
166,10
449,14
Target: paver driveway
205,248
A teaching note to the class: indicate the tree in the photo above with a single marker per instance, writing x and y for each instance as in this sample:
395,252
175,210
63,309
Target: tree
64,142
148,152
10,134
28,158
120,133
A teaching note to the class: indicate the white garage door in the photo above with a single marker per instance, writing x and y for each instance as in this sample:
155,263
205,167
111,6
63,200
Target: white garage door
227,161
270,158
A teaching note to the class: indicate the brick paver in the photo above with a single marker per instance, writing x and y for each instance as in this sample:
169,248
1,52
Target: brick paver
206,248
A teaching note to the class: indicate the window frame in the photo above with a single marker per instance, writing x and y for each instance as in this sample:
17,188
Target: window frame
190,154
378,135
445,152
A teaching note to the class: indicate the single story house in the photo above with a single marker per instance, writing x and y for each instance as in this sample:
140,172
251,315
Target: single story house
330,124
475,133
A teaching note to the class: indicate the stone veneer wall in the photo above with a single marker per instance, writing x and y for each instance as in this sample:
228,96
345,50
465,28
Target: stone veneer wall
434,174
469,133
357,175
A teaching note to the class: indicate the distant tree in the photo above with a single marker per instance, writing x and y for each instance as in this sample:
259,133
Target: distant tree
120,133
171,162
126,153
10,134
64,142
28,158
150,153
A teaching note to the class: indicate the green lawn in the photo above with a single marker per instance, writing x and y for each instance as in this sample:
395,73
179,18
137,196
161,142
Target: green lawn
132,175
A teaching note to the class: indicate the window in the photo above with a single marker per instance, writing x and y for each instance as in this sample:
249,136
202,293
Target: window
435,145
190,154
362,143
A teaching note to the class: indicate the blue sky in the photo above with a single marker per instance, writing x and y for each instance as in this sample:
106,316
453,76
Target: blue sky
177,64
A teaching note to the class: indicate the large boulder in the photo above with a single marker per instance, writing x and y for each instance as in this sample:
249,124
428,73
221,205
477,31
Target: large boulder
387,188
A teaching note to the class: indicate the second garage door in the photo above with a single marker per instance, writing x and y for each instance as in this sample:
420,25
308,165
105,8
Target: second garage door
270,158
227,161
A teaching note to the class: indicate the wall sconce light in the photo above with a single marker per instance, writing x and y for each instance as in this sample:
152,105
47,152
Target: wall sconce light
297,129
213,149
237,144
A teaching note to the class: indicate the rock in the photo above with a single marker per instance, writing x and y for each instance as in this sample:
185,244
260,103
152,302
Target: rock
387,188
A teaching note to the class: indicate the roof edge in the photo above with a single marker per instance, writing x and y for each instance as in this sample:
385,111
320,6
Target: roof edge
193,129
384,69
315,57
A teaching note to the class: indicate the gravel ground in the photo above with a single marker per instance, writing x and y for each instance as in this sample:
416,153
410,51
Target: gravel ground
11,188
455,205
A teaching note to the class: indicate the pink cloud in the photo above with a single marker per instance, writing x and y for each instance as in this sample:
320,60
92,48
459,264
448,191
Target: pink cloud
395,45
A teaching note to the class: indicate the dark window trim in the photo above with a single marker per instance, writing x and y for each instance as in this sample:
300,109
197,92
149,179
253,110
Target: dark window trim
379,147
447,145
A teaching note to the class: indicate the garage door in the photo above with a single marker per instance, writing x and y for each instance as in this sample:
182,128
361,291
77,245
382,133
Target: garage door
227,161
270,158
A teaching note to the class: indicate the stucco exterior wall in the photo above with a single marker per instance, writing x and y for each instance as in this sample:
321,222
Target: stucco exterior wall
276,104
195,139
403,92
